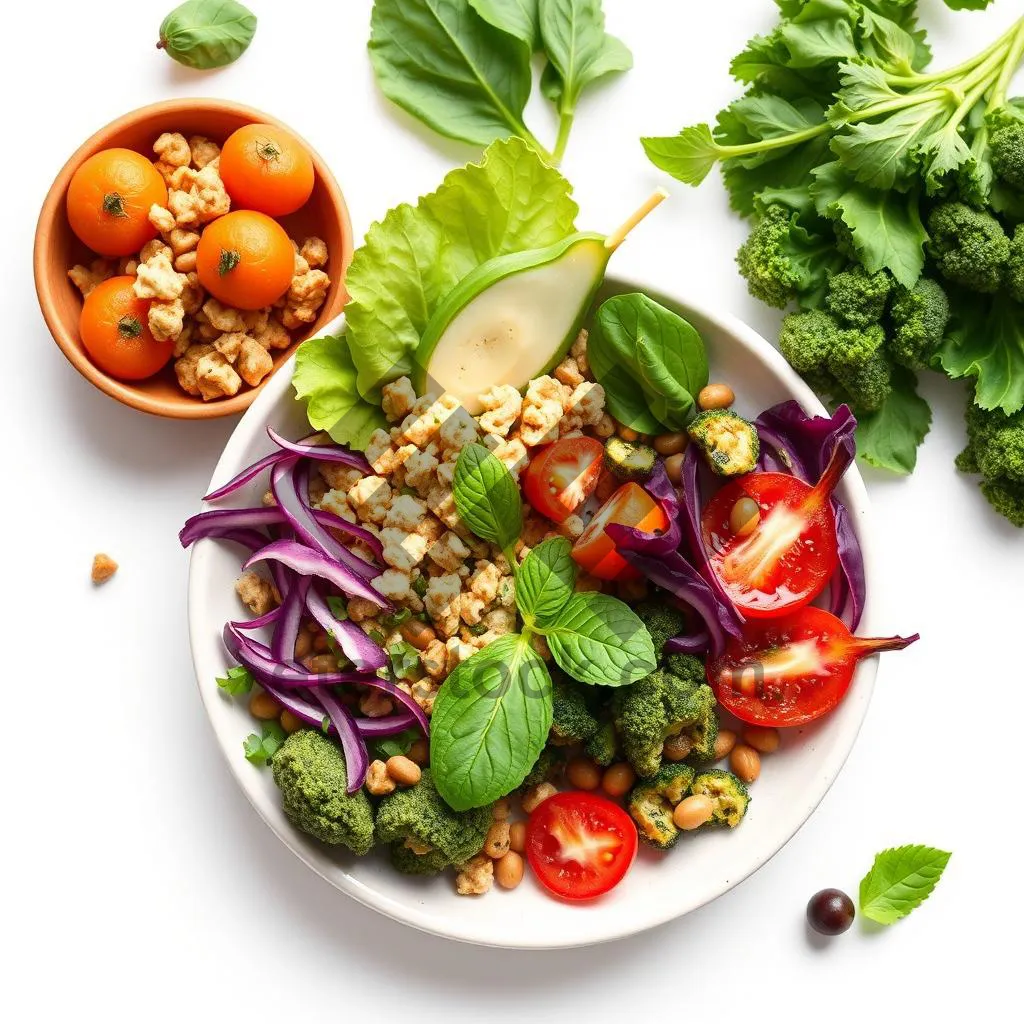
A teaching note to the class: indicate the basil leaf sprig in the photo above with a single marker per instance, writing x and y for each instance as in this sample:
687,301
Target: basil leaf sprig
899,881
492,715
465,68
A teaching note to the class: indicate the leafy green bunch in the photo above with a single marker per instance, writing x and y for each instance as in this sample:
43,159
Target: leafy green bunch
493,713
886,199
464,67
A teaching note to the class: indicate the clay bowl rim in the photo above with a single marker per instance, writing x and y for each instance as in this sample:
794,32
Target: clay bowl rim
46,281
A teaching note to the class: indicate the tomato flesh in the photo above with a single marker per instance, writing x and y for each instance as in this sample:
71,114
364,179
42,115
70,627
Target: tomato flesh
791,670
595,551
580,845
562,475
789,558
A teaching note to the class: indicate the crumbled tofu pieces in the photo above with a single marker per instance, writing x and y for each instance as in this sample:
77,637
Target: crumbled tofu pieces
397,399
503,404
254,362
443,602
449,551
306,295
166,319
162,219
203,150
216,377
156,278
223,318
103,568
370,498
86,278
542,411
314,252
402,550
475,877
171,148
259,595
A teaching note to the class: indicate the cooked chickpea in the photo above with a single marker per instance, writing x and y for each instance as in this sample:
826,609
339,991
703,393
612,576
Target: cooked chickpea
582,773
403,770
263,707
763,739
744,516
618,779
289,722
692,812
670,444
716,396
497,843
536,795
677,748
321,643
420,752
501,809
508,872
321,663
418,633
674,467
745,762
517,836
303,645
724,743
628,433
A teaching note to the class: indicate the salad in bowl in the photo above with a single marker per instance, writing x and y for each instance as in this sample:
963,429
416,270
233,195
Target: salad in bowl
535,589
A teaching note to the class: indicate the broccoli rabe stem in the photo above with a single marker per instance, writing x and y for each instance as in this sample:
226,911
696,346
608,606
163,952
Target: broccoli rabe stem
997,98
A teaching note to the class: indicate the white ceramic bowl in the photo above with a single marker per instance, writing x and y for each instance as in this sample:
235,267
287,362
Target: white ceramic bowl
658,887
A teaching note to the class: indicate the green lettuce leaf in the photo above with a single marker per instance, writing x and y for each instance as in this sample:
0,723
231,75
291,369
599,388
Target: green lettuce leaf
509,202
889,438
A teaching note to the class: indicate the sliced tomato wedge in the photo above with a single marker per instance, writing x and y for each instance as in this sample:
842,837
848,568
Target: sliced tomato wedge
792,553
789,671
595,551
580,845
562,475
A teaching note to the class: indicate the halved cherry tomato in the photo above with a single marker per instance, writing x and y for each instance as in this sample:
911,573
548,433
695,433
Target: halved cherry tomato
595,551
789,671
787,560
580,845
562,475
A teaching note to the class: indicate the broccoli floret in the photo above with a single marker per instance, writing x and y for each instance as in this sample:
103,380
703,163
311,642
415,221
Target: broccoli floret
918,316
1006,149
728,442
969,246
807,340
766,261
859,364
662,621
729,796
858,298
651,802
844,240
1015,265
652,709
603,745
571,720
408,862
995,450
309,769
629,460
418,813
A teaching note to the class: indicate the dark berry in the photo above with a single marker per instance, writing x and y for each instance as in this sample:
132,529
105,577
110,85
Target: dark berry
830,912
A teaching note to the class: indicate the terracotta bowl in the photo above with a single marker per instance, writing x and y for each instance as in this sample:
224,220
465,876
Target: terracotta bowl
57,249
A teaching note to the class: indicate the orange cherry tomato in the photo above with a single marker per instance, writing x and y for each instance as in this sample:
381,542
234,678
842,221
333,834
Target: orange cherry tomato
562,475
115,331
266,168
245,259
109,198
595,551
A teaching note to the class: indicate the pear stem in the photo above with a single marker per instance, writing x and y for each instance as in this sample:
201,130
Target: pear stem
618,236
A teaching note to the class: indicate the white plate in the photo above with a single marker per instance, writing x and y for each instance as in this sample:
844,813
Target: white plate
659,887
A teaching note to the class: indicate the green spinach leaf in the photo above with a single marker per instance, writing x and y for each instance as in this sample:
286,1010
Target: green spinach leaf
650,361
448,67
598,639
487,497
545,582
205,34
518,18
490,722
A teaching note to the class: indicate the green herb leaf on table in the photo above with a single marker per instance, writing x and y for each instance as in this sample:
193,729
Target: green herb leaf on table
405,660
237,681
260,749
889,439
397,745
205,34
900,880
967,5
509,202
598,639
519,18
448,67
545,581
487,497
490,722
325,378
650,361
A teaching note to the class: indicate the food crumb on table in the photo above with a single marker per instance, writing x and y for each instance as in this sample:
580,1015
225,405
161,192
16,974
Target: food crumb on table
103,568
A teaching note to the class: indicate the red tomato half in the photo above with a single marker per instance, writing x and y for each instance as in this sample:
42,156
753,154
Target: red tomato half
562,475
580,845
595,551
789,558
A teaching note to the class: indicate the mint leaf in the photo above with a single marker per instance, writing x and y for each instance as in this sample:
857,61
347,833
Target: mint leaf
487,497
405,661
889,438
545,581
397,745
598,639
490,722
900,880
237,681
260,749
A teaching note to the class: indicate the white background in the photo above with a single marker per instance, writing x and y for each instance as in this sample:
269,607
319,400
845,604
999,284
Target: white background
138,885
